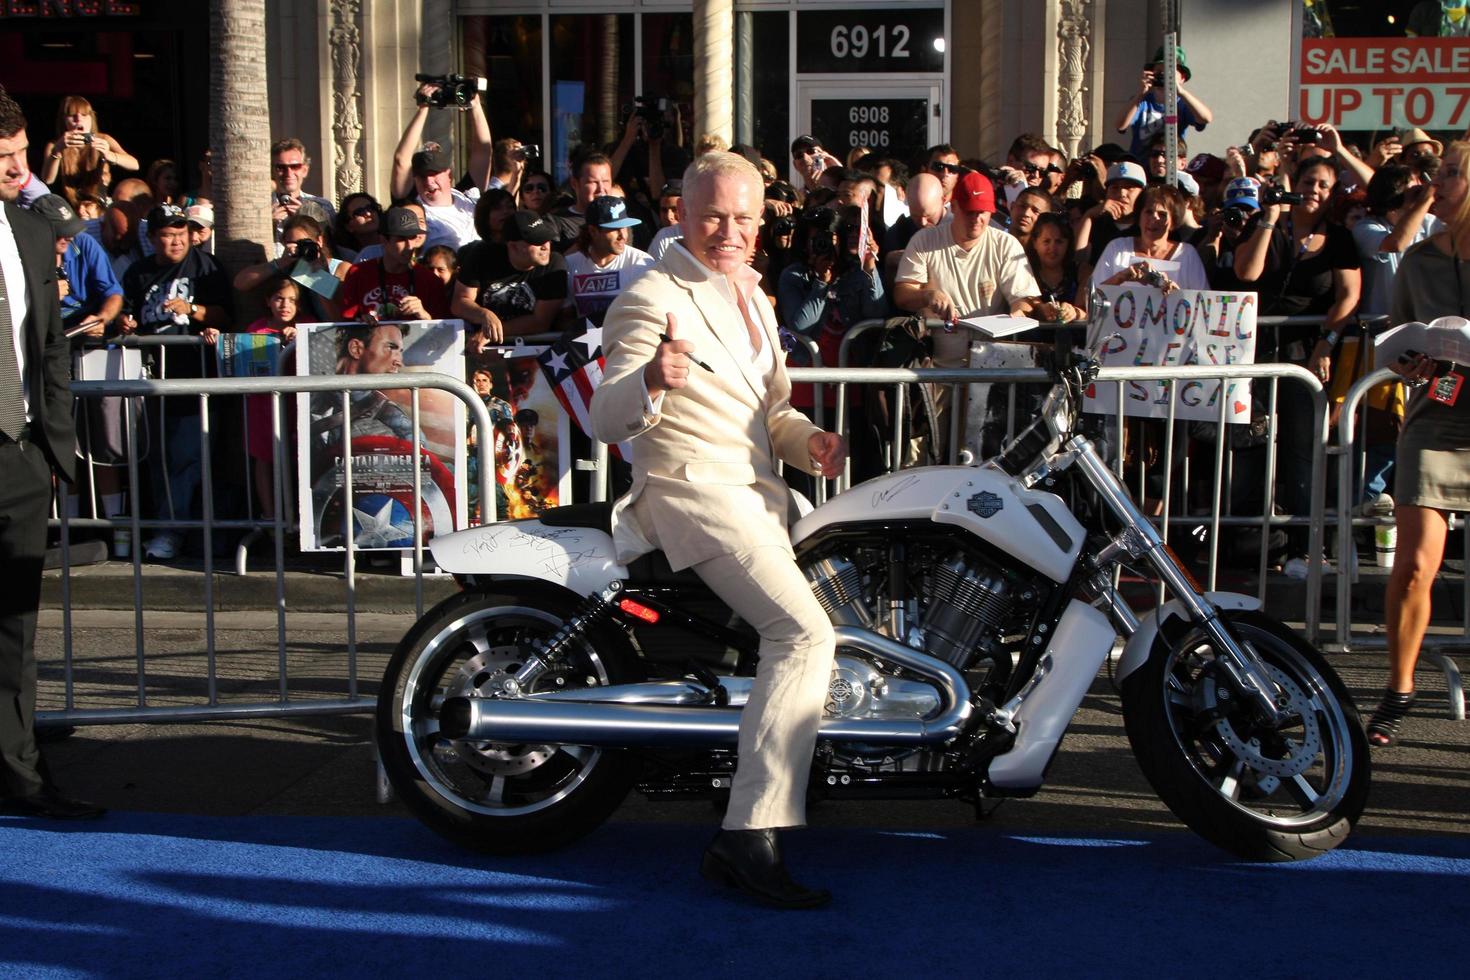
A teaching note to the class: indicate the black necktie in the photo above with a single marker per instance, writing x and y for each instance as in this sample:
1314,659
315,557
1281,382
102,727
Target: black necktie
12,408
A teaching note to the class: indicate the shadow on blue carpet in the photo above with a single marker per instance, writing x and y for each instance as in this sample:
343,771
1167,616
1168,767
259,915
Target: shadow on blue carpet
154,895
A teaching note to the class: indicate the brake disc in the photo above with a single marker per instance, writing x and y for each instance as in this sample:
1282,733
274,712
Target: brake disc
484,676
1300,754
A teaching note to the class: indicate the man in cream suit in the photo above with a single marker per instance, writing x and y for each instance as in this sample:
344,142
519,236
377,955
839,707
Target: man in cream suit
695,378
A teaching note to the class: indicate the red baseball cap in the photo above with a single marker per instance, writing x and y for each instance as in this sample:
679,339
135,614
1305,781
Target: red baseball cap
974,193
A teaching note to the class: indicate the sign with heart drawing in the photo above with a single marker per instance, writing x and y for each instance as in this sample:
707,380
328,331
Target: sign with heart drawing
1145,327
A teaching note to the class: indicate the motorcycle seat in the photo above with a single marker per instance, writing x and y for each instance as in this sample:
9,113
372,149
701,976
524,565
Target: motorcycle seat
595,516
650,569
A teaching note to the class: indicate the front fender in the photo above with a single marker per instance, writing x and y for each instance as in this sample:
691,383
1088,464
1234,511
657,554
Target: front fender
1141,643
578,558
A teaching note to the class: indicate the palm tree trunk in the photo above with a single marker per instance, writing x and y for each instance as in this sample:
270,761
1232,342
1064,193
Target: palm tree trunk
239,135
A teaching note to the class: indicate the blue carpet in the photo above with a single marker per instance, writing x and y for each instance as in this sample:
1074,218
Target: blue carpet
152,895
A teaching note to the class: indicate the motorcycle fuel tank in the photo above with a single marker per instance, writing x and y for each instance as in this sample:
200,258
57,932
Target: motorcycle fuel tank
582,559
1033,526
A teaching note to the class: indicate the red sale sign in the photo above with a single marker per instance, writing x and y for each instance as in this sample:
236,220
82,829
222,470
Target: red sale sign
1378,83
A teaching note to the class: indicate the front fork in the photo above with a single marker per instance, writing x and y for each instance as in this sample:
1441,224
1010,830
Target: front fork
1142,539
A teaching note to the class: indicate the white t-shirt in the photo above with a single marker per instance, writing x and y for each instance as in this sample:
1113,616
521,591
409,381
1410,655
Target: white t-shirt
662,239
981,282
452,224
591,289
1118,255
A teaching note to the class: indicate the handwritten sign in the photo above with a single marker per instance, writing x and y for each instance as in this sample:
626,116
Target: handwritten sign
1189,326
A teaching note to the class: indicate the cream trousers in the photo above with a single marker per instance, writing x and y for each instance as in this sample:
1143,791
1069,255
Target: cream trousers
778,726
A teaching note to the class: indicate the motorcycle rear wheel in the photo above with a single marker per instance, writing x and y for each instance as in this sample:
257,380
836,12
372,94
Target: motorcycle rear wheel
498,798
1265,795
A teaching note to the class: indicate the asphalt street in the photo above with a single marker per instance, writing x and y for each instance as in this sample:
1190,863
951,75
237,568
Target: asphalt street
324,765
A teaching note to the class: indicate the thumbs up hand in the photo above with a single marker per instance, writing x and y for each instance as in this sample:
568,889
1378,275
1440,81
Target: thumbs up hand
669,368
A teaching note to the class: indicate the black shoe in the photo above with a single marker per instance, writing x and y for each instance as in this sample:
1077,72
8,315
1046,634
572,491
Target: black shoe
49,803
45,735
750,861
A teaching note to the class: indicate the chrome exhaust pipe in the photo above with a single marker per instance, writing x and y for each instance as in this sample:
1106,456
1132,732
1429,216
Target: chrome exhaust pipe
623,721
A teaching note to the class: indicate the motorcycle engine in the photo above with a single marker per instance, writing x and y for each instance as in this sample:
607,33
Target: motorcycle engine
967,605
965,602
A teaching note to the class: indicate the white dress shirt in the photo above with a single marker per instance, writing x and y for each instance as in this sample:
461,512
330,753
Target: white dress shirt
15,290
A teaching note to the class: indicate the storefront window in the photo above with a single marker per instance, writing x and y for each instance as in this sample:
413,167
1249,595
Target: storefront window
507,52
591,83
769,76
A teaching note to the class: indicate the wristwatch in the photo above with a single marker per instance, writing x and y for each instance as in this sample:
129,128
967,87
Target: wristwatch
192,310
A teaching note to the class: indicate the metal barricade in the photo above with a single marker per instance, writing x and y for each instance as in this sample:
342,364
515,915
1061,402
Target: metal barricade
274,387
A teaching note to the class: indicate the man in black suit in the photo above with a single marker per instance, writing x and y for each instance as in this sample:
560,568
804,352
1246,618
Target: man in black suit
35,437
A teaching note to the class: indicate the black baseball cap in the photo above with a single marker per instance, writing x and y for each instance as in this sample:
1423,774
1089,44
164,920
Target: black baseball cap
608,211
672,188
803,143
167,216
55,209
529,227
401,223
430,162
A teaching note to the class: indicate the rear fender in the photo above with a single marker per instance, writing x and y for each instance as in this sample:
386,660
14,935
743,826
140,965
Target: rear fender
577,558
1141,643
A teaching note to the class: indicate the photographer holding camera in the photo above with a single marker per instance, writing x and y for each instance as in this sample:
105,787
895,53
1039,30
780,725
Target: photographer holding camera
421,171
1301,263
290,166
1144,116
508,160
832,281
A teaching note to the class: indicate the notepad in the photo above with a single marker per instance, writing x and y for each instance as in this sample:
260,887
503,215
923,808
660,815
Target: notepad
999,325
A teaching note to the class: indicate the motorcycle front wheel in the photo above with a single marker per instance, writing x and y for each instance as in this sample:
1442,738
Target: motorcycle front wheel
1265,794
497,797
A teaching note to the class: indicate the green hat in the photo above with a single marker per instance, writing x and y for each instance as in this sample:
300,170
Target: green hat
1178,58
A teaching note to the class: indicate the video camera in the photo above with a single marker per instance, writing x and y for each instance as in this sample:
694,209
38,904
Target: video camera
455,91
1271,194
652,111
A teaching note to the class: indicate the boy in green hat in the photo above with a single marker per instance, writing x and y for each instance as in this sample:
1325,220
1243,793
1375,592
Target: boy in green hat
1144,116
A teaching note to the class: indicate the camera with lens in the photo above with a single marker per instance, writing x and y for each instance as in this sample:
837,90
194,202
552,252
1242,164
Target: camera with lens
1154,278
651,110
454,92
308,250
1235,218
527,151
1271,194
86,139
1307,135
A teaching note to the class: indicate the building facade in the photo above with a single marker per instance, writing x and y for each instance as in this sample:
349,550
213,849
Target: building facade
893,75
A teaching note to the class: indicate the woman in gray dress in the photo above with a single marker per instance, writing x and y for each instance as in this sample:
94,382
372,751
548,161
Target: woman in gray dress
1432,478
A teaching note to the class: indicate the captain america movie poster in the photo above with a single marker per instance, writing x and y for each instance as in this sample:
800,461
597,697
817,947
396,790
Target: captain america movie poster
379,428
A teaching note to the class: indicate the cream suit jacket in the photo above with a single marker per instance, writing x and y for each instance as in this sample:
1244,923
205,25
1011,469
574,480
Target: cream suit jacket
704,464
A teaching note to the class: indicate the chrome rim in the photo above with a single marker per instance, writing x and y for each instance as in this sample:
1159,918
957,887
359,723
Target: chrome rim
471,657
1287,777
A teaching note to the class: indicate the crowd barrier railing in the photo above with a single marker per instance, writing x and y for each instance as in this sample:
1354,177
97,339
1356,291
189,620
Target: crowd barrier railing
1213,515
207,525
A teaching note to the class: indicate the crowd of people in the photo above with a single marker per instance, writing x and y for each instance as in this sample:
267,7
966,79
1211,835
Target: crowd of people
1313,224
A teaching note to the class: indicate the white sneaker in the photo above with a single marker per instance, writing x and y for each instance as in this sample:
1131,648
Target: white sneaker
163,547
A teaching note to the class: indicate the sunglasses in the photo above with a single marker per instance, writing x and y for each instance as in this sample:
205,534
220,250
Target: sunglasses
540,188
1050,168
945,168
364,211
290,166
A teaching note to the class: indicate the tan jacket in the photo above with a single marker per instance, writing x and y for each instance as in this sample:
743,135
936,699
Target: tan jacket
704,465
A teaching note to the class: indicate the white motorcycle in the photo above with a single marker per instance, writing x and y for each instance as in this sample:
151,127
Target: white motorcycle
972,611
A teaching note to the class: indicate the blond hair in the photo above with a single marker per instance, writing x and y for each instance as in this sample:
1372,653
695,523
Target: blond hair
708,166
1457,155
